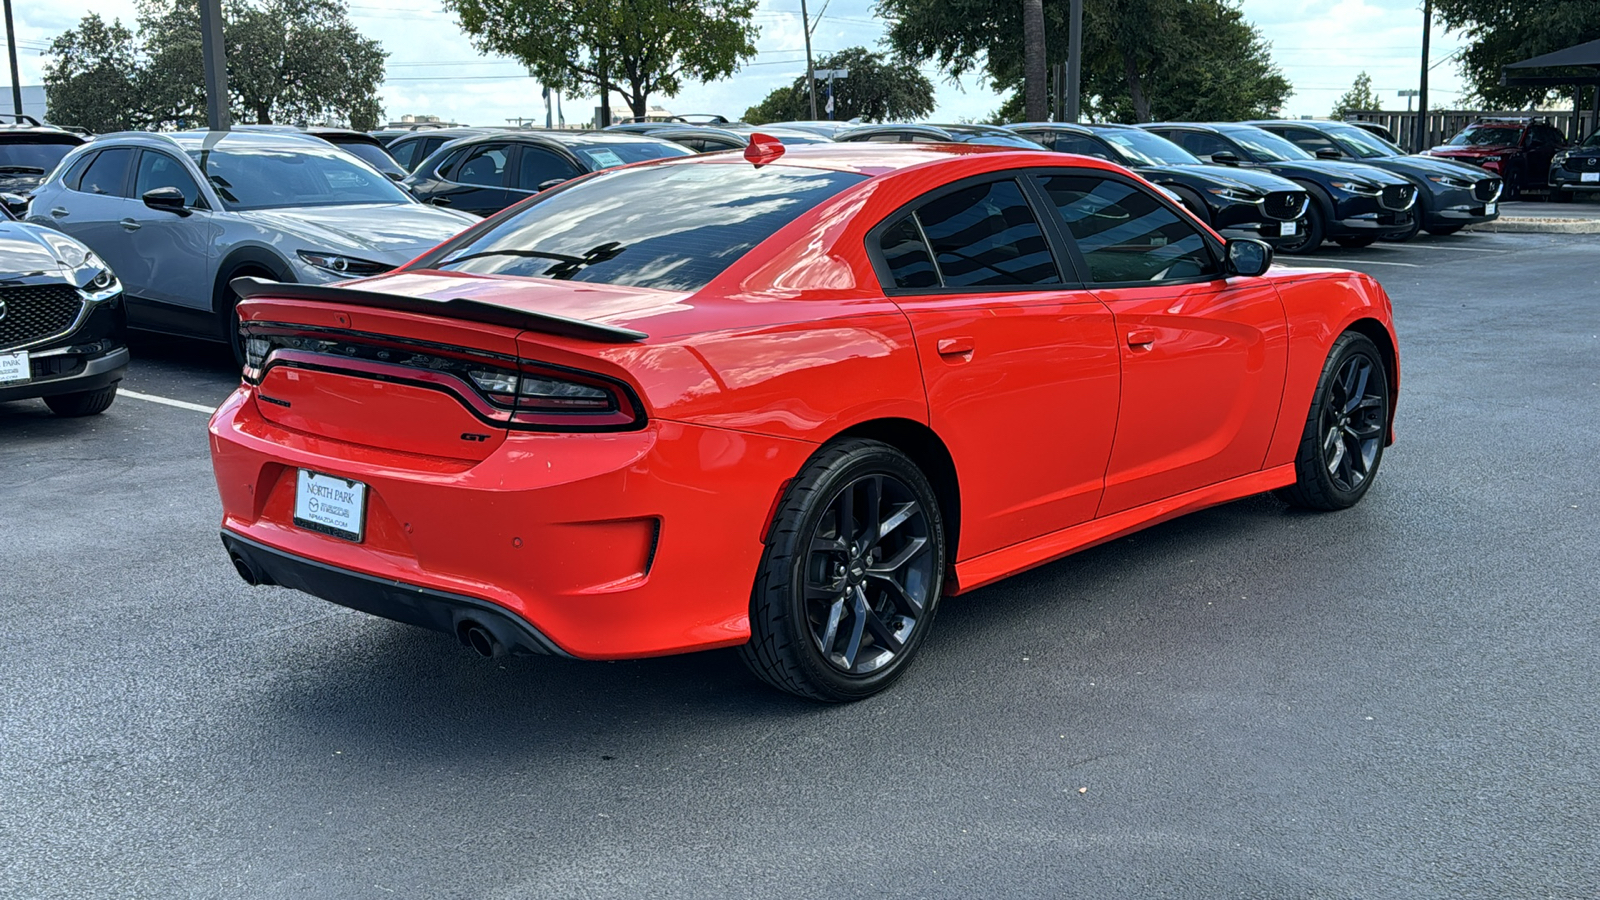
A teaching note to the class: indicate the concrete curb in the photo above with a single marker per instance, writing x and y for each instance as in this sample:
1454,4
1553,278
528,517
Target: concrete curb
1540,225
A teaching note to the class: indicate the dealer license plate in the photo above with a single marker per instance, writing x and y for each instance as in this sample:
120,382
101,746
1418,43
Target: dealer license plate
1489,208
14,367
1589,176
331,505
1288,229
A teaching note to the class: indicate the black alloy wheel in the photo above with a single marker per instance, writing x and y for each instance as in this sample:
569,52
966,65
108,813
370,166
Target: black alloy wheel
852,575
1346,429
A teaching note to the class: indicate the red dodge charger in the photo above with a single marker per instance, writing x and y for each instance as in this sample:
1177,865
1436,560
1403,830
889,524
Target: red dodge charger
784,401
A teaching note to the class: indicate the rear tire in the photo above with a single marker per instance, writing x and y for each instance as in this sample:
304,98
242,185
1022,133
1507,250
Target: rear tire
1346,428
851,577
82,403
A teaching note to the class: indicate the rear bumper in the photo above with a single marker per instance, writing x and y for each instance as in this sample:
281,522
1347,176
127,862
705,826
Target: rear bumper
607,546
412,604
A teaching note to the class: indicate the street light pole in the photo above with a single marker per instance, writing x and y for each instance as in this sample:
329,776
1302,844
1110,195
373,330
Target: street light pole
11,45
811,77
1422,89
214,55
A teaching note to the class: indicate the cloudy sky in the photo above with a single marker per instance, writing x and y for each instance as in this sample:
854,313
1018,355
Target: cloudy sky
1321,45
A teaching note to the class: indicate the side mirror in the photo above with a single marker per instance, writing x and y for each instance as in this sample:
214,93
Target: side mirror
554,182
16,204
1329,153
168,199
395,176
1226,158
1249,257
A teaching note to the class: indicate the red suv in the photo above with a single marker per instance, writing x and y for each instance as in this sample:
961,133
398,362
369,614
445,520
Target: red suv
1518,150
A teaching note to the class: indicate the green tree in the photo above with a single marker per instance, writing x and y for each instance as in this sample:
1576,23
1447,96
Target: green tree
1143,60
1499,33
878,90
1359,97
638,47
288,61
91,82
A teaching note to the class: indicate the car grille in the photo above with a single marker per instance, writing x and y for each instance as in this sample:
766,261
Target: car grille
37,312
1588,162
1398,196
1486,190
1284,205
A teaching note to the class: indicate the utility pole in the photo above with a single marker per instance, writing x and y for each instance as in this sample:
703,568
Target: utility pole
1422,89
811,76
214,54
1074,59
11,45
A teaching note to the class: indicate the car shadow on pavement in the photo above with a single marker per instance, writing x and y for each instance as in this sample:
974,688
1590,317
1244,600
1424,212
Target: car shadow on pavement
188,355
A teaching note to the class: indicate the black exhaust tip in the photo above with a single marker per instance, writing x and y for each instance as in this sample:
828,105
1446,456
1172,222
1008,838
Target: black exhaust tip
480,640
244,570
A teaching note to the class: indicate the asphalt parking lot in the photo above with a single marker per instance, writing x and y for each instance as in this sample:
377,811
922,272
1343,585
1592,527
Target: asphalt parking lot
1250,702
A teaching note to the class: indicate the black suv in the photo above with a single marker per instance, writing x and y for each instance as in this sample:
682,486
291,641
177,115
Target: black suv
488,173
62,323
1576,170
1351,204
29,151
1450,195
1519,150
1237,202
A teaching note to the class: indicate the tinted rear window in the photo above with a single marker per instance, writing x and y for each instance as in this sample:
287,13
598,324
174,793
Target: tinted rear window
37,157
672,227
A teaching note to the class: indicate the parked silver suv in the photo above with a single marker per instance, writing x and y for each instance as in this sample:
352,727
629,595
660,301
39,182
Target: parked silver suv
179,216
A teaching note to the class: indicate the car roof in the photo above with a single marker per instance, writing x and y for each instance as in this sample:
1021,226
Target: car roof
865,158
564,138
206,140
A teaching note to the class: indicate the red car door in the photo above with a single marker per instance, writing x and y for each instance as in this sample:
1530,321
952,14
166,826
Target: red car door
1020,367
1203,356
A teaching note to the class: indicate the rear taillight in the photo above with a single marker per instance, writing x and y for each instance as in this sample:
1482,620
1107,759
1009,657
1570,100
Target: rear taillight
510,392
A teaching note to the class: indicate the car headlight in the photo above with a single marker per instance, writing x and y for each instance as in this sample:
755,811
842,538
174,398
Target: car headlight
1235,194
1491,158
1358,187
87,272
1560,158
343,266
1450,181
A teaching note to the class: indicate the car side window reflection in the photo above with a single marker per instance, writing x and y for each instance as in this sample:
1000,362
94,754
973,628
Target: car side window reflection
1126,235
158,170
986,235
1200,144
485,166
108,173
910,263
539,166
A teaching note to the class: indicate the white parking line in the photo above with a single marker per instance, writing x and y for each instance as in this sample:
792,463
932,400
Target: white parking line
124,392
1349,262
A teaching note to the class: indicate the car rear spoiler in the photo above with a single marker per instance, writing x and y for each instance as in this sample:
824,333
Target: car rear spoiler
452,308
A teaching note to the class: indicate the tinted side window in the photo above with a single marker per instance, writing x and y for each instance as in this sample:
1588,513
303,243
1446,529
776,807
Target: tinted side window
158,170
1127,235
1199,143
539,165
485,165
75,173
1084,146
404,152
907,255
986,235
108,173
1309,141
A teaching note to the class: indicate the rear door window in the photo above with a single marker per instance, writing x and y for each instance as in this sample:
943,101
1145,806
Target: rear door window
484,165
986,236
1125,234
108,174
539,166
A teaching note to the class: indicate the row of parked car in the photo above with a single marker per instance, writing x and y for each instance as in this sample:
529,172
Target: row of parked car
172,219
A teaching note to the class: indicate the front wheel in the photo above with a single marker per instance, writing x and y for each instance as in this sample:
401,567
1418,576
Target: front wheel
1346,428
851,577
82,403
1310,234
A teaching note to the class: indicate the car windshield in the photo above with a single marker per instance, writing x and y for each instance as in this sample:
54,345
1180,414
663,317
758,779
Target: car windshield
1268,146
604,155
35,157
1488,136
1592,141
1361,143
276,177
1145,149
698,219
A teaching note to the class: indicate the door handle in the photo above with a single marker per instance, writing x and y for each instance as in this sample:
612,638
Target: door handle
956,346
1141,338
129,225
58,211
